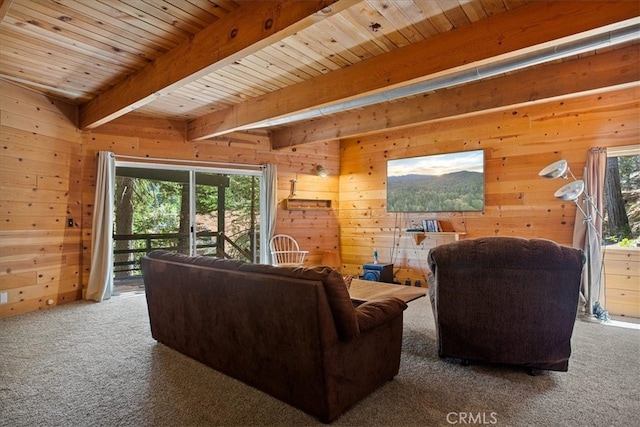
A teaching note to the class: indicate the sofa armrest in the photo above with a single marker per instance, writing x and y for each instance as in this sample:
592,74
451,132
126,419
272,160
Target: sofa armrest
378,311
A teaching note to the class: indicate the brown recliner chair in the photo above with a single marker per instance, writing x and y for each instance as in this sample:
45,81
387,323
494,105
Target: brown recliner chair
506,300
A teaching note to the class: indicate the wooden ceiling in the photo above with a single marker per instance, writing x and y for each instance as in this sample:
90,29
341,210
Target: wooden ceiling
224,66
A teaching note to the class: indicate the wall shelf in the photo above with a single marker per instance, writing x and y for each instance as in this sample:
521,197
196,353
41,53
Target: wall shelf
307,204
419,236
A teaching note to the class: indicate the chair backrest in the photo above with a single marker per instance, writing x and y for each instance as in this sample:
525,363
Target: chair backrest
506,300
285,251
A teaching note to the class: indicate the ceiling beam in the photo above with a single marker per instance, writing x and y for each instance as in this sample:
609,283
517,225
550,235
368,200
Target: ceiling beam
606,70
245,30
4,8
497,38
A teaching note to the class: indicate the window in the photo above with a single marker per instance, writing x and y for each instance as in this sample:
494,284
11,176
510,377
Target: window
622,197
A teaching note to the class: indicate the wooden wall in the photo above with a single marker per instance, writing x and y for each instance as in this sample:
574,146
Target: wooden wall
47,172
40,165
47,176
518,143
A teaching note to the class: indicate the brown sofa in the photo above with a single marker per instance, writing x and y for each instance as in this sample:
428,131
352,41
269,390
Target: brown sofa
290,332
506,300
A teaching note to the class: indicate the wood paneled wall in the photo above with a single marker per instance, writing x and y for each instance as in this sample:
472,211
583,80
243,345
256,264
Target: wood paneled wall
40,165
518,143
316,231
47,175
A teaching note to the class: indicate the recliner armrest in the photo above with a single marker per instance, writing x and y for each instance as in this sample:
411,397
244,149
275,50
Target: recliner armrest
377,312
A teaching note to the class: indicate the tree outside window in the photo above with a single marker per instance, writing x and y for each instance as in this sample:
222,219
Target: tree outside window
622,200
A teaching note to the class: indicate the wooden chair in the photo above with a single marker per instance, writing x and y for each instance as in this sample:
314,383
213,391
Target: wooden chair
285,251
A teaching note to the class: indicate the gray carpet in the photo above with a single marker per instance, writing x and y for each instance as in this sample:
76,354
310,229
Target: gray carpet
90,364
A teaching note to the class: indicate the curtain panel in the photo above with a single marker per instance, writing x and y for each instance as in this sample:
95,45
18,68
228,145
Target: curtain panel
588,232
100,284
269,194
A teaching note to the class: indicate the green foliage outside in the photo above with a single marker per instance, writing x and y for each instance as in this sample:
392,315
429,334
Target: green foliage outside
629,172
242,211
156,208
458,191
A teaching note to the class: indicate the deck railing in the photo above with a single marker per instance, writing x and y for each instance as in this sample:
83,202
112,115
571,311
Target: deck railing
208,243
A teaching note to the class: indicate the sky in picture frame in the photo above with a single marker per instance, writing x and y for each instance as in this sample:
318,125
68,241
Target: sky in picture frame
437,164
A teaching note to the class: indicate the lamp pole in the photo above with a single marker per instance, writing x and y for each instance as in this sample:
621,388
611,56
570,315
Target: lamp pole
574,191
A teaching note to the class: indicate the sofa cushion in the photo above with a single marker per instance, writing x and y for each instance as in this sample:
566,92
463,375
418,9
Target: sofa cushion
337,294
376,312
205,261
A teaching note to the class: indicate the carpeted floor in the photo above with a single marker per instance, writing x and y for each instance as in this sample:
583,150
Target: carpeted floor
89,364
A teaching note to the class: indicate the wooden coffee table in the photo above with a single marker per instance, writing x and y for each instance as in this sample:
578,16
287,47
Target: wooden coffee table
364,290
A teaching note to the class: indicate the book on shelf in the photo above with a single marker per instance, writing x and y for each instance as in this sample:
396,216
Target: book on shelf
431,226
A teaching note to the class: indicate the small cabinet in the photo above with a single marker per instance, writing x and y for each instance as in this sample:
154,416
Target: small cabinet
622,280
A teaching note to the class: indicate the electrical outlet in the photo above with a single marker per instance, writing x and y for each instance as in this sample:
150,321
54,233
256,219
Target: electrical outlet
3,298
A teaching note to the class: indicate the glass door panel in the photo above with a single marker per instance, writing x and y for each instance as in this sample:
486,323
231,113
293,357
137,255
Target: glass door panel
151,211
227,214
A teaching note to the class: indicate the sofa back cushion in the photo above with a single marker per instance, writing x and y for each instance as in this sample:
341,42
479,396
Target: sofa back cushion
334,287
336,293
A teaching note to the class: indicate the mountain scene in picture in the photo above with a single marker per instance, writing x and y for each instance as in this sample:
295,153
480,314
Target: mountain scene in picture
452,182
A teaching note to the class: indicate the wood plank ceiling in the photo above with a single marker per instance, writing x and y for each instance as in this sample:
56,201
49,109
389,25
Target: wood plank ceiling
207,61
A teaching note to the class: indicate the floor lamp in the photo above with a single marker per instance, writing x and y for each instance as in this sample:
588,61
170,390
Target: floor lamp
572,192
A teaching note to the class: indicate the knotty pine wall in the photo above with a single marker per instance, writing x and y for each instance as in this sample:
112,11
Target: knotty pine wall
47,175
518,143
40,168
315,231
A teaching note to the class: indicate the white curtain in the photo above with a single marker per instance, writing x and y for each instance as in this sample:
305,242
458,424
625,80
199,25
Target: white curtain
269,195
100,284
587,233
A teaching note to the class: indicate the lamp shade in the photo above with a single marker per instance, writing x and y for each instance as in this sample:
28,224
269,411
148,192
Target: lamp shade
321,171
332,259
571,191
555,170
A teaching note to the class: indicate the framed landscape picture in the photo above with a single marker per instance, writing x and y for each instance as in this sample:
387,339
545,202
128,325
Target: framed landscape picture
452,182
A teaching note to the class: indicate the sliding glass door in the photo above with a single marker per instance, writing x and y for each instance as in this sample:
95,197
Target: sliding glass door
201,211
